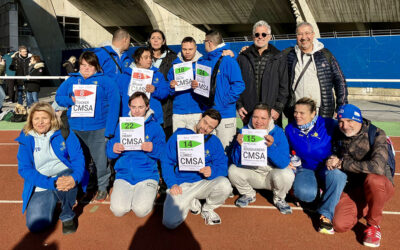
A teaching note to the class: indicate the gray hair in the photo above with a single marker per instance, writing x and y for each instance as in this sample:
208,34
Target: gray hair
304,24
261,23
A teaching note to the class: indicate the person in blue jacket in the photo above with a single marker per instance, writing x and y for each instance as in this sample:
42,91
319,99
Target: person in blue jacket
92,129
136,181
159,89
114,59
227,88
276,176
185,188
310,136
186,109
51,166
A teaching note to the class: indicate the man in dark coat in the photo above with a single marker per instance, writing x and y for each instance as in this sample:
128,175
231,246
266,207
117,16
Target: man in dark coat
314,72
264,72
20,64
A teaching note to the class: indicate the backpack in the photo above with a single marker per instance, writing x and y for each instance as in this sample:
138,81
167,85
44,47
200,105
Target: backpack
391,152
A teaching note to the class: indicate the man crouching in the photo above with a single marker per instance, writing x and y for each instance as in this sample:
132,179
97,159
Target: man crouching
277,175
185,188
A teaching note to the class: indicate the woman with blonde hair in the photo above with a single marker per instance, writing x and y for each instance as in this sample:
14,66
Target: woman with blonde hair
51,167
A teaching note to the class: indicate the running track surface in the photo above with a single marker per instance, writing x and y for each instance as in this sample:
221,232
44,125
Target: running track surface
259,227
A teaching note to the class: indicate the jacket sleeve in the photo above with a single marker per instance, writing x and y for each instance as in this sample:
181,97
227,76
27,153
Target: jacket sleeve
239,103
278,152
283,92
236,83
219,165
162,88
114,106
158,140
63,97
339,84
13,65
375,164
76,157
27,170
236,152
169,160
110,144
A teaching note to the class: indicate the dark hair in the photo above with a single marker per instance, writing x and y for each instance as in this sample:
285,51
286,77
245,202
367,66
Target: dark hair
120,34
263,106
91,58
214,36
164,47
139,52
188,39
213,114
138,94
36,58
308,102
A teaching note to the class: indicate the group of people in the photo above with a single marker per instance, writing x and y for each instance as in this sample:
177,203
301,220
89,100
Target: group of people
21,63
343,174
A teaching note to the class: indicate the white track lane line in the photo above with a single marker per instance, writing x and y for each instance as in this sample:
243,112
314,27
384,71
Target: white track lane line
224,206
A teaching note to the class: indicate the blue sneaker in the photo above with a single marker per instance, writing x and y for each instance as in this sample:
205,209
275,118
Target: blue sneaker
244,200
283,207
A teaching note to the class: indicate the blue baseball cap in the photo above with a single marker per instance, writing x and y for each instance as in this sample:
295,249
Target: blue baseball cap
350,111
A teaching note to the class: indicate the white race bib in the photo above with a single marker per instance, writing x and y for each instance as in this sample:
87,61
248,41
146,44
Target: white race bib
85,100
131,132
191,152
254,147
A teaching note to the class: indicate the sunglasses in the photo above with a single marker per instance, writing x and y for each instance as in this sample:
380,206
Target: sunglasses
262,34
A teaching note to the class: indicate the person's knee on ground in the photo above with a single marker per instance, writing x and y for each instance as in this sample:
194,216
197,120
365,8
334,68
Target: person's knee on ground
118,211
38,224
141,209
305,193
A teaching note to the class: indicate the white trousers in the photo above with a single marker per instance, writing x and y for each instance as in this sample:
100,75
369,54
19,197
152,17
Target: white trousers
188,121
246,180
139,198
226,130
176,207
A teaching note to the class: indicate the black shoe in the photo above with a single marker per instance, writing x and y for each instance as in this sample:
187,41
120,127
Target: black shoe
69,226
101,196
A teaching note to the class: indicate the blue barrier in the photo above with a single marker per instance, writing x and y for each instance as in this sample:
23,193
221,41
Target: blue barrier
359,57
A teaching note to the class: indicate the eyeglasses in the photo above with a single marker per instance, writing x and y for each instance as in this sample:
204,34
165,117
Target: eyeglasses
305,33
262,34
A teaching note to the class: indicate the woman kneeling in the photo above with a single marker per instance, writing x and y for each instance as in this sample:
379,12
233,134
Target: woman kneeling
51,166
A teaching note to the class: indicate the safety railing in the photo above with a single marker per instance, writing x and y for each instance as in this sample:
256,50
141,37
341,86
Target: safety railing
333,34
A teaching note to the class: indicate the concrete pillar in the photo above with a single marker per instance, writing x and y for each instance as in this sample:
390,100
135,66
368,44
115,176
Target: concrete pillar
302,13
8,25
175,28
43,22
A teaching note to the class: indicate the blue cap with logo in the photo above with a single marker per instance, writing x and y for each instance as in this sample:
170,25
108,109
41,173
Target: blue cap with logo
350,111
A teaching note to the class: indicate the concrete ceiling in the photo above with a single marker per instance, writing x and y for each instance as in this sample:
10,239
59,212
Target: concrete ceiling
349,11
110,13
230,11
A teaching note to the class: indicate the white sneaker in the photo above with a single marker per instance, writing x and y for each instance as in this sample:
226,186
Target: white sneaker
211,217
195,206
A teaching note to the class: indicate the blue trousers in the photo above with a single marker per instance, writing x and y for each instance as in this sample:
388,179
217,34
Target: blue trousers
306,186
94,146
31,98
40,210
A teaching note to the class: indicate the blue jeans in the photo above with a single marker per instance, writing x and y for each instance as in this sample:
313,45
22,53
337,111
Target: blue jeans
40,210
306,185
94,146
31,98
2,96
20,93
